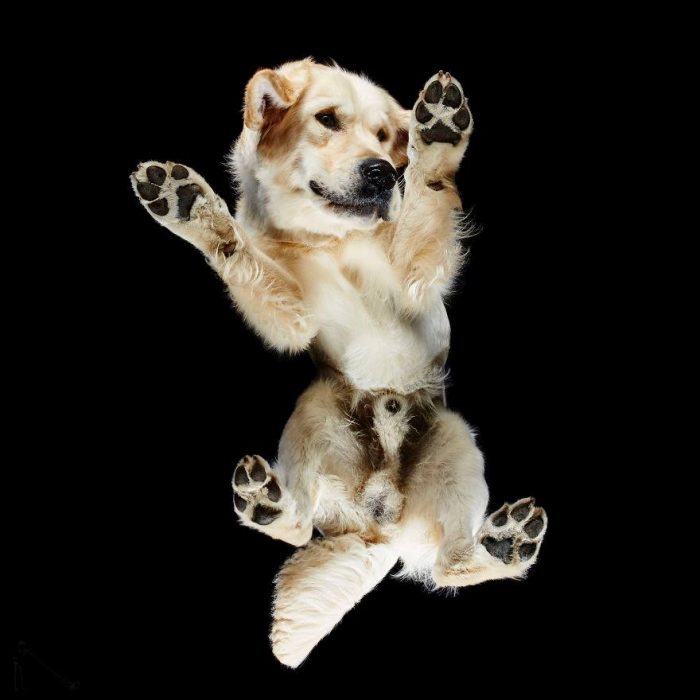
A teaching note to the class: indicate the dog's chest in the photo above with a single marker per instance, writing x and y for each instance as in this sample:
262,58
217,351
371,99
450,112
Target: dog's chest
365,266
355,295
354,282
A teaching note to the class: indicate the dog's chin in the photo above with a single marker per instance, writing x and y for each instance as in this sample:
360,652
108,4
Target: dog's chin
360,212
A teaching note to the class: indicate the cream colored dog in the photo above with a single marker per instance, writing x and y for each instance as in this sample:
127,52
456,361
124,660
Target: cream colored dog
326,255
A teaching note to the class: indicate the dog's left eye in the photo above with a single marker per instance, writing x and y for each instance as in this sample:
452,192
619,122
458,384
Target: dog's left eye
329,120
381,135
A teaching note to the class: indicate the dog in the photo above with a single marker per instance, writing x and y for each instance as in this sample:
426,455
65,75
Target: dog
326,254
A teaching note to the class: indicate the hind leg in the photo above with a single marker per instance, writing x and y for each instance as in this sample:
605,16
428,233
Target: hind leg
287,500
265,503
450,491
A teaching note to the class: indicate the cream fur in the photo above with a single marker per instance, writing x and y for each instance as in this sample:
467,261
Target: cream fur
370,456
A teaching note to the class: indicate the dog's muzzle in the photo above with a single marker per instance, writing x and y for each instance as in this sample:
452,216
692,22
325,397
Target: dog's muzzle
372,194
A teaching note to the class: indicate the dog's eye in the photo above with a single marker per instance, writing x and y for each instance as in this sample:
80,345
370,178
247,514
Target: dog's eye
381,135
329,120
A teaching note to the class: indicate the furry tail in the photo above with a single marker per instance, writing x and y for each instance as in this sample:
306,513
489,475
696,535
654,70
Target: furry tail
317,586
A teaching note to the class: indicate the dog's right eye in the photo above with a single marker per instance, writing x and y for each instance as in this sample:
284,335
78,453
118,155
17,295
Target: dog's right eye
329,120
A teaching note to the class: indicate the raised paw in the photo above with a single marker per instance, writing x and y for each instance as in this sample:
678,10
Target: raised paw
167,189
513,534
181,200
256,491
441,113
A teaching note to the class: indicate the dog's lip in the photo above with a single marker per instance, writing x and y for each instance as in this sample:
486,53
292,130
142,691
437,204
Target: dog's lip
363,209
317,189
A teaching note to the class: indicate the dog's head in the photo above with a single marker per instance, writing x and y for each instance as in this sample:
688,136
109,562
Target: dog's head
319,150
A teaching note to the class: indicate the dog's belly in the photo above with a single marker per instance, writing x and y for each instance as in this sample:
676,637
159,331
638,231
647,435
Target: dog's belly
361,332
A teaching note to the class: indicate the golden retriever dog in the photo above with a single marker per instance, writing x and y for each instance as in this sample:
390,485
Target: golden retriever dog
327,254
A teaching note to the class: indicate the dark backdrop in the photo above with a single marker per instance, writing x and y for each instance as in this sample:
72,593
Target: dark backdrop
136,386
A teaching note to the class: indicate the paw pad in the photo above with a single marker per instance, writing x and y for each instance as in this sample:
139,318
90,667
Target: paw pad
255,489
156,174
442,111
179,172
514,533
163,188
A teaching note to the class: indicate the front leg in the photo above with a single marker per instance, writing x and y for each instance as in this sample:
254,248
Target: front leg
267,295
425,247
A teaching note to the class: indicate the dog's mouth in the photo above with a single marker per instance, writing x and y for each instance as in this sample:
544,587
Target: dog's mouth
354,206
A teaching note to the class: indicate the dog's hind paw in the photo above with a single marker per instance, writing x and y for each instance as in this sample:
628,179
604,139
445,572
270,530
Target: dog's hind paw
256,491
513,534
506,546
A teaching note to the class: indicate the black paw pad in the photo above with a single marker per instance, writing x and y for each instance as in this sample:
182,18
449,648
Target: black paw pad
521,512
262,515
155,174
534,527
258,472
500,517
453,97
239,502
274,492
185,199
423,115
500,549
462,118
433,92
527,551
147,191
159,207
239,476
179,172
440,133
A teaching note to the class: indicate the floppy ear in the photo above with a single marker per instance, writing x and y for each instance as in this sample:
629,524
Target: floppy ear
267,97
399,149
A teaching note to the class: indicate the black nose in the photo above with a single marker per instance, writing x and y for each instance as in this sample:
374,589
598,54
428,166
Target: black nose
377,174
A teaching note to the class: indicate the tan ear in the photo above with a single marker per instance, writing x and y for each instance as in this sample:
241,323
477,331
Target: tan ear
399,149
267,96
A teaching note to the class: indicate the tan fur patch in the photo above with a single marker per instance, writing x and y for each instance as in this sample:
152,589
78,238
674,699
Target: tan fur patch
253,111
399,152
275,139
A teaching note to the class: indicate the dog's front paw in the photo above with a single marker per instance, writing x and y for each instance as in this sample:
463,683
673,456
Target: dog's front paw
168,190
441,113
441,124
182,201
256,491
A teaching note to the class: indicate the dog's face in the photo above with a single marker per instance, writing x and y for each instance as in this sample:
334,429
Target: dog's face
320,150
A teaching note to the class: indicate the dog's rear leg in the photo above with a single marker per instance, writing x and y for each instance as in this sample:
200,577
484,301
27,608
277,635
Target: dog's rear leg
264,502
317,586
266,294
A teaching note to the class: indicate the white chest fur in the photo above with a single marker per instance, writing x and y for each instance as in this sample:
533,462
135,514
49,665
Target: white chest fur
354,294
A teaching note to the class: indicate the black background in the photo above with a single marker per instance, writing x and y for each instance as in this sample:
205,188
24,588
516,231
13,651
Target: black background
137,386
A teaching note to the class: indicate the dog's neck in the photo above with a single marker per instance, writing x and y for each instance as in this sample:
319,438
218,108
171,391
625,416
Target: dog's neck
252,216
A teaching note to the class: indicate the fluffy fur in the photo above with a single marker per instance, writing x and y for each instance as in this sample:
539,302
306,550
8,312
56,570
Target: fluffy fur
316,259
